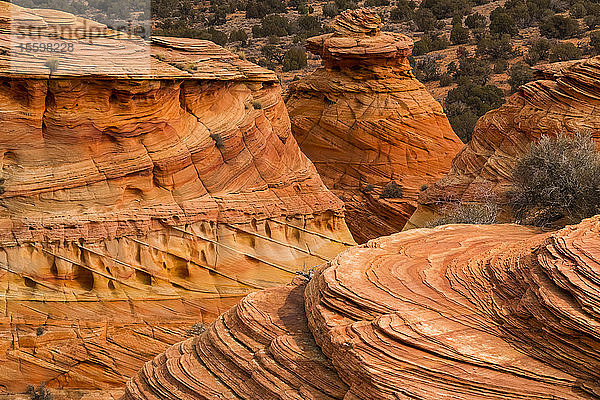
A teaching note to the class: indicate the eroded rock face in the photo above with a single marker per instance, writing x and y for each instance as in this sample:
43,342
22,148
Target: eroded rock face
456,312
564,100
365,121
140,199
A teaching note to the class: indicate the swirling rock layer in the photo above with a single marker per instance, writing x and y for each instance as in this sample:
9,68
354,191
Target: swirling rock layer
457,312
365,121
144,188
564,100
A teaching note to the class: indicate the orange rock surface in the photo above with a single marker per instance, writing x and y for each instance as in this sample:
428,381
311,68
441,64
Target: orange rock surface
456,312
565,99
143,189
365,121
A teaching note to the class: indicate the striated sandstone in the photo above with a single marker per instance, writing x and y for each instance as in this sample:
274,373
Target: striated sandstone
457,312
564,100
141,192
364,121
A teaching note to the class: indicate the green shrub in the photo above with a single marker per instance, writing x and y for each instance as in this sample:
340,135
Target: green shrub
502,22
427,69
500,66
496,46
565,52
330,10
403,11
471,69
476,20
425,20
445,80
294,59
447,8
459,34
273,25
391,191
557,181
595,42
539,50
560,27
238,35
520,74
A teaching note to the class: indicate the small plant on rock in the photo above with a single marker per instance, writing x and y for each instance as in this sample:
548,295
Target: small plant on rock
39,393
219,142
391,191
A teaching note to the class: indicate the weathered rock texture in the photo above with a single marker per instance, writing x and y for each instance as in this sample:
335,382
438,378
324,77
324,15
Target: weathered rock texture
139,198
365,121
457,312
565,99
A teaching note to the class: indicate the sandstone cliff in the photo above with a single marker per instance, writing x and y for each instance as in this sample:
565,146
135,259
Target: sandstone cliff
457,312
564,100
144,187
365,121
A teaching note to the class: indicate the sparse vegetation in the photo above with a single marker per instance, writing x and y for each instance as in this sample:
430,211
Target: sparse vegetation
196,329
39,393
520,74
257,105
391,191
557,181
483,213
219,142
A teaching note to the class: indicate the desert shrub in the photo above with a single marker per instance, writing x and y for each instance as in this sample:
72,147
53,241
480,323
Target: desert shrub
330,10
475,20
423,187
391,191
484,213
425,20
368,188
39,393
459,34
565,52
429,43
539,50
196,329
446,80
447,8
560,27
427,69
343,5
310,24
557,179
578,10
261,8
466,103
219,142
377,3
502,22
520,74
595,42
238,35
294,59
257,105
592,20
471,69
273,25
403,11
496,46
500,66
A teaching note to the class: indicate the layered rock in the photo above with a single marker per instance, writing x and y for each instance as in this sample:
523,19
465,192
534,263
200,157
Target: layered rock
456,312
145,187
365,121
564,100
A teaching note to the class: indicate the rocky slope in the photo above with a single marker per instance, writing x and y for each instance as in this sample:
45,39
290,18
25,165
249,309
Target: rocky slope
144,187
456,312
564,100
365,121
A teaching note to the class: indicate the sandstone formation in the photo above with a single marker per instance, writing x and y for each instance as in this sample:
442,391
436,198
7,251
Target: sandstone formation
456,312
144,187
565,99
365,121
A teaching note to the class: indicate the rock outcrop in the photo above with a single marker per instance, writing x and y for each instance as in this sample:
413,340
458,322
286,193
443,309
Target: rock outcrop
365,121
455,312
564,100
145,187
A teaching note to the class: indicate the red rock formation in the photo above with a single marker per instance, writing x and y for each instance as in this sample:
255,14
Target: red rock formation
456,312
564,100
143,190
365,121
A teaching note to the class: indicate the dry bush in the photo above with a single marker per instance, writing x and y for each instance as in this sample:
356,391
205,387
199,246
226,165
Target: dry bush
557,181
